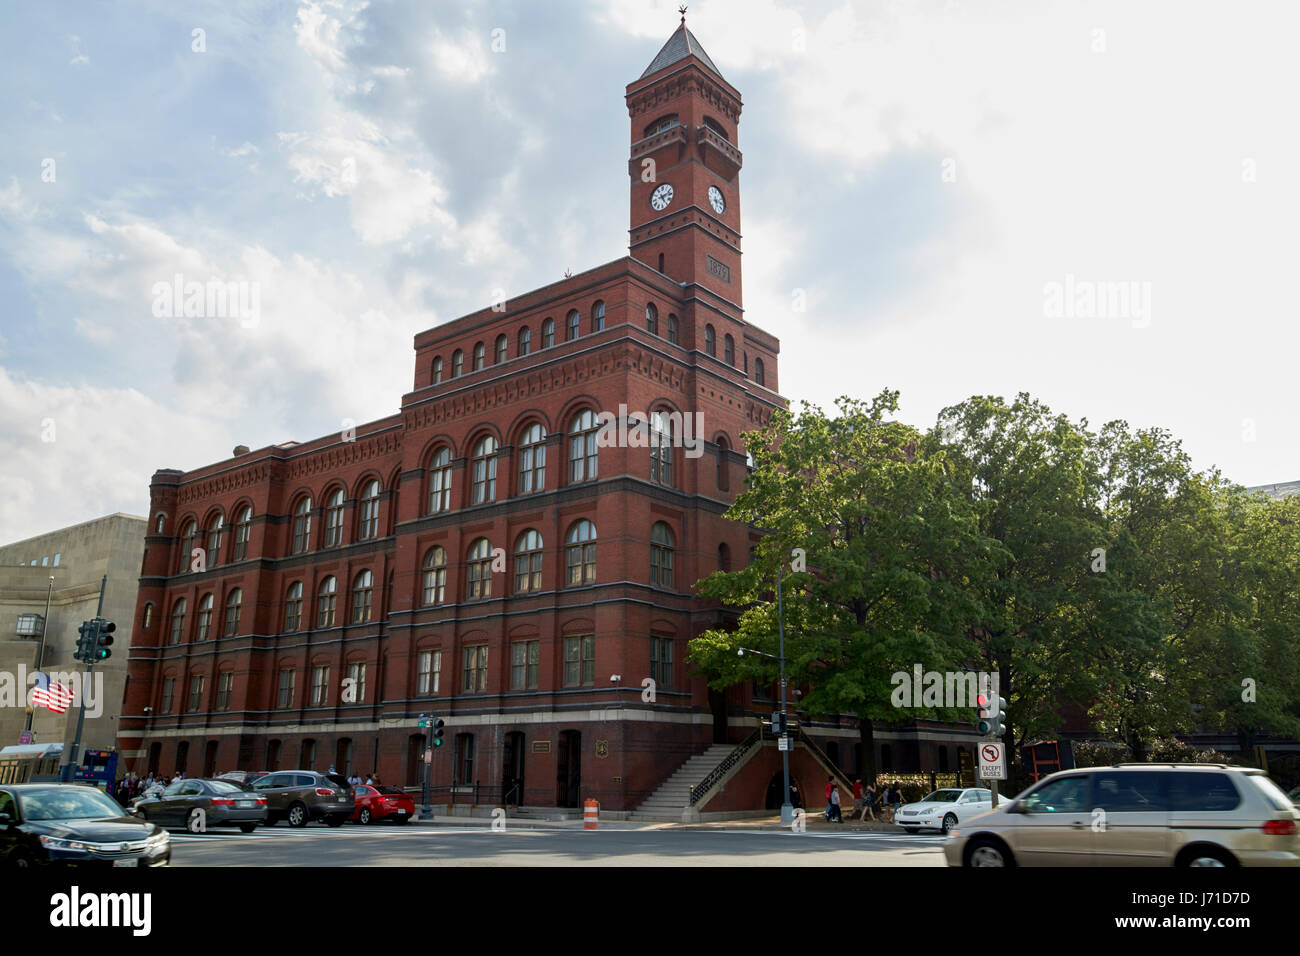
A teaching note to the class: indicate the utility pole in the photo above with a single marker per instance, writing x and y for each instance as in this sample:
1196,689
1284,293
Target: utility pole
66,774
40,653
787,809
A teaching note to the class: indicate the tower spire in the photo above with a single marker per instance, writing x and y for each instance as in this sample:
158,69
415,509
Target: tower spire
682,11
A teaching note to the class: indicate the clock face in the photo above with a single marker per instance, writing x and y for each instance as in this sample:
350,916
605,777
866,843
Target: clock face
661,197
716,200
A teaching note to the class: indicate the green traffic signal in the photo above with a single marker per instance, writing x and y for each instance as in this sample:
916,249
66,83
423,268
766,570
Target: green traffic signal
438,724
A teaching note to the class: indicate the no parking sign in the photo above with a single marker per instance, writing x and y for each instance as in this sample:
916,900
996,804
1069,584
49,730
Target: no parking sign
992,765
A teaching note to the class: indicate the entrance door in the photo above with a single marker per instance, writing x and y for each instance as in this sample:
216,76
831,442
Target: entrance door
512,770
568,769
210,759
718,704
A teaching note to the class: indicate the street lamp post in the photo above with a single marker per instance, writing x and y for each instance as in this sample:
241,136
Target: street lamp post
787,809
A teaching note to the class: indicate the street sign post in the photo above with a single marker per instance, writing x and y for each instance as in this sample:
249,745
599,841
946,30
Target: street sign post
992,761
783,742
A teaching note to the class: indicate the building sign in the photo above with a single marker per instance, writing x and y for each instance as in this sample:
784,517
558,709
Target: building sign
718,269
541,746
602,749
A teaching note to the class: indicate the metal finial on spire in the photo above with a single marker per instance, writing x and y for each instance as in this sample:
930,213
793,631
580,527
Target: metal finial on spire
682,11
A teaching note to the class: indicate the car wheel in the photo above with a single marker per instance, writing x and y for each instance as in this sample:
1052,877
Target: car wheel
364,815
1206,856
297,815
194,822
21,859
949,821
247,827
987,852
336,820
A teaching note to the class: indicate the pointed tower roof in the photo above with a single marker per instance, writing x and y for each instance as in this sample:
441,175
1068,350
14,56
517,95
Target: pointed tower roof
679,46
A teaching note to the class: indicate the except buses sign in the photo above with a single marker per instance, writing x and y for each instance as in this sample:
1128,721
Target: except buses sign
992,764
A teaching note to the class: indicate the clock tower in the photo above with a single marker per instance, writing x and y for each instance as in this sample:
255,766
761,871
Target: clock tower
685,169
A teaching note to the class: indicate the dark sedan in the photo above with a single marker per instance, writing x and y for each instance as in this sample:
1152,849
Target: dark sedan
68,823
198,805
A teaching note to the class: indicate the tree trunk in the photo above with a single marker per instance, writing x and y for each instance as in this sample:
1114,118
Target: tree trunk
867,737
1246,738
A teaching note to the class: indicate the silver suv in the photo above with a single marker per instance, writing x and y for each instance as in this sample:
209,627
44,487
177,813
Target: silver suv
1137,815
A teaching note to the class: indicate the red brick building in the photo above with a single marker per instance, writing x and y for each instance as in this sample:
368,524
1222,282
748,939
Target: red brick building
484,554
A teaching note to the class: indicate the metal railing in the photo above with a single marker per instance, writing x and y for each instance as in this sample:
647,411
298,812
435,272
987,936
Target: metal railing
698,790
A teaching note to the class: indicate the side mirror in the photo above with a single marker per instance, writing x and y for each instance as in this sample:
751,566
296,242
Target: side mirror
6,820
1017,806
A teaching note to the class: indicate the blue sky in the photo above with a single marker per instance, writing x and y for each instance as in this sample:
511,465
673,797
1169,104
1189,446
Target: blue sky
916,173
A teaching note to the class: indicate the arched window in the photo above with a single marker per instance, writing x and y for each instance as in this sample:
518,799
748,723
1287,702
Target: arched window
363,587
148,616
233,602
334,518
724,557
440,481
714,125
528,562
525,340
243,533
598,317
178,621
532,459
484,466
216,531
651,319
302,526
661,448
729,350
672,329
582,446
479,578
435,576
661,124
158,525
457,363
205,618
548,333
187,543
710,341
326,596
369,510
480,355
580,553
437,370
571,326
293,607
661,556
501,350
758,371
723,466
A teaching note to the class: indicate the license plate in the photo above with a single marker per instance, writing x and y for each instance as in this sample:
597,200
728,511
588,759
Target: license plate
342,799
131,862
401,813
245,803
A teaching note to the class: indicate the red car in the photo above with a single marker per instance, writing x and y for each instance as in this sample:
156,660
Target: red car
378,803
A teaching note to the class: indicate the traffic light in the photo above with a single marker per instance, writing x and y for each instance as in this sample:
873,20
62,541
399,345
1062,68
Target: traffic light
438,724
103,638
85,641
992,709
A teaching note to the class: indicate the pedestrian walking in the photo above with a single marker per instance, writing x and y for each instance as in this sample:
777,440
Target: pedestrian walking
835,806
830,786
868,798
796,798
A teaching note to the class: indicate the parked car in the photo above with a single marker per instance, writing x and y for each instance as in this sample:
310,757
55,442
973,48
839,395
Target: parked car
69,823
944,809
242,776
1137,815
199,804
382,803
301,796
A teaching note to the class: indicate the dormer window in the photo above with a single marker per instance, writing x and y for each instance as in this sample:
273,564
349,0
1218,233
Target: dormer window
663,123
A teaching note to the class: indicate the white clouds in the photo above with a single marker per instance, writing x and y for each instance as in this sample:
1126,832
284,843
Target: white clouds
463,58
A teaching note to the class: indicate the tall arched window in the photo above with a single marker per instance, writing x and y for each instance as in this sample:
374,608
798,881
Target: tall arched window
758,371
216,531
148,616
724,482
582,446
532,459
369,510
233,601
528,562
502,349
437,370
580,553
435,576
672,329
457,363
243,533
598,317
661,448
479,566
293,607
710,341
159,524
729,350
187,543
334,518
724,557
525,340
480,355
440,481
651,319
661,556
548,333
363,587
571,324
484,466
326,596
205,618
302,526
178,621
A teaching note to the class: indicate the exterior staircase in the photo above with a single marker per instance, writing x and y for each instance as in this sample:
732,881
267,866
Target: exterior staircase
673,797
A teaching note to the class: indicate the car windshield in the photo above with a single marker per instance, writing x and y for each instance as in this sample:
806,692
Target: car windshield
943,796
68,803
224,786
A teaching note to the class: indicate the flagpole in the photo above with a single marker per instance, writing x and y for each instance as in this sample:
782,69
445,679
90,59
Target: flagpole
40,653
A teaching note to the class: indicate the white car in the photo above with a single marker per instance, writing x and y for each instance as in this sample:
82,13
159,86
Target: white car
944,809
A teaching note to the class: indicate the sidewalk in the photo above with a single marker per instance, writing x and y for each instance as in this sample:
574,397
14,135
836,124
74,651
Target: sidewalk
813,821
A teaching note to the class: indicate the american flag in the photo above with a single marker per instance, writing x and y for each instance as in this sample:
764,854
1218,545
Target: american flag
50,693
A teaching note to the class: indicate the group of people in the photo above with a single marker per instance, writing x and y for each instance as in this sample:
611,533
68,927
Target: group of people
133,785
865,799
356,780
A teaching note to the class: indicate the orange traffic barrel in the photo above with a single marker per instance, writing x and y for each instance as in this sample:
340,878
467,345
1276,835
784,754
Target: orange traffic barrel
590,814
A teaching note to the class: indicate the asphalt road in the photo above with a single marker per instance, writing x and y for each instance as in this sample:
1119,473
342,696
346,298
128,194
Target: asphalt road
414,845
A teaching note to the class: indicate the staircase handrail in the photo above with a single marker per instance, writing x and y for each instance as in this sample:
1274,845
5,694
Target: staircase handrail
714,776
